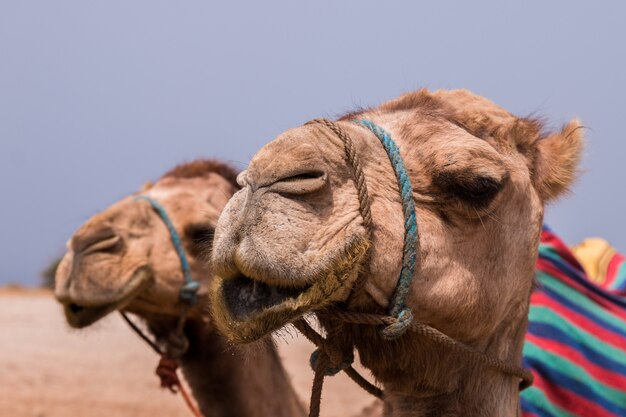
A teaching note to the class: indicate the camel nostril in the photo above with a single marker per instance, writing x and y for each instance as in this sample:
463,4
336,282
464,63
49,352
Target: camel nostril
301,183
75,308
242,179
109,244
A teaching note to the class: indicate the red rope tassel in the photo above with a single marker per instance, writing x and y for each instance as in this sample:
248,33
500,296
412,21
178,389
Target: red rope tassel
166,370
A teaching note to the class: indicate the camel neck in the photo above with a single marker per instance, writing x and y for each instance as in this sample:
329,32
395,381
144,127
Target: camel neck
237,380
422,379
475,396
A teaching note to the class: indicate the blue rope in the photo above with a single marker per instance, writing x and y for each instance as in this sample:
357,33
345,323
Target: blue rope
398,309
189,291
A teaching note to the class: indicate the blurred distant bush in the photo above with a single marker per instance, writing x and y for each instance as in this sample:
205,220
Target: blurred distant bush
47,276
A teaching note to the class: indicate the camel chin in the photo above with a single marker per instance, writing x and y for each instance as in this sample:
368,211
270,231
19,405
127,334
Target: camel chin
81,313
248,308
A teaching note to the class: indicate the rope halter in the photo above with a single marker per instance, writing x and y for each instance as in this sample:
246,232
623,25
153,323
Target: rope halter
400,317
177,343
188,293
398,309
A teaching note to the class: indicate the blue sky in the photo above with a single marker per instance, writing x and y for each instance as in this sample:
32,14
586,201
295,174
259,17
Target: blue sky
98,97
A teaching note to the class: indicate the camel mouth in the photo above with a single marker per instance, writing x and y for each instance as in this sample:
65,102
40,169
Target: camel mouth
245,308
245,296
80,314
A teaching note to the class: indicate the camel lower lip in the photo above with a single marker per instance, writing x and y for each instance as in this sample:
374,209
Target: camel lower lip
82,316
245,296
79,315
247,308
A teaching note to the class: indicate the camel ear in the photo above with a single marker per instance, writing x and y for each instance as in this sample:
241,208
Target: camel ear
558,159
146,186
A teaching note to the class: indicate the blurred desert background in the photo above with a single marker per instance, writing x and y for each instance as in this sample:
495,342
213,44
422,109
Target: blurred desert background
50,370
98,97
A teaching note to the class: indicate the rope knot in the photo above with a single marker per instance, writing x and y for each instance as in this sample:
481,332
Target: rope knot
166,370
399,326
330,369
189,292
177,345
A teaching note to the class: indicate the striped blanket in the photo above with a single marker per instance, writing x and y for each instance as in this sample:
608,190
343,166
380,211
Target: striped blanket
576,340
603,264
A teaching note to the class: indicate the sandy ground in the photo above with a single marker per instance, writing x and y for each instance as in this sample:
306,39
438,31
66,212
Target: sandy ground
50,370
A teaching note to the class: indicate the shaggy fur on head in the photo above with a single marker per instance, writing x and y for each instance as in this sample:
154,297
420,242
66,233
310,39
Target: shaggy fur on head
558,158
202,167
480,179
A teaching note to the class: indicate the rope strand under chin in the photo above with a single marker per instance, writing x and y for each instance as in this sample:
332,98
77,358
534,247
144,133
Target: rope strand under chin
166,369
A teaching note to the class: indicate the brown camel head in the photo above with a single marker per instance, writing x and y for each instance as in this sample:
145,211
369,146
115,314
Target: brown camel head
123,258
293,240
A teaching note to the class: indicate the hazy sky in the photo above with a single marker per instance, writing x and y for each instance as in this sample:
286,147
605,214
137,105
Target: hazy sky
98,97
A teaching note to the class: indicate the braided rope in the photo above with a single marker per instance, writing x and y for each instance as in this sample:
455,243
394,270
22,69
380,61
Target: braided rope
189,291
355,161
333,352
438,337
318,384
327,359
363,383
409,256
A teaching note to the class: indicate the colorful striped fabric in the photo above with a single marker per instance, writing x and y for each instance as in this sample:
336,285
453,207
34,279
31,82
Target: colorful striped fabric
576,340
616,275
603,264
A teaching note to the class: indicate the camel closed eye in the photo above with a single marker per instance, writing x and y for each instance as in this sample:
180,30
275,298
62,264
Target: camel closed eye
477,191
302,183
199,239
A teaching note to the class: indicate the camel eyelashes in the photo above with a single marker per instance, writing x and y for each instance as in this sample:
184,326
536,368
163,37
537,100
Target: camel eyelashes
481,188
200,238
199,233
474,190
305,176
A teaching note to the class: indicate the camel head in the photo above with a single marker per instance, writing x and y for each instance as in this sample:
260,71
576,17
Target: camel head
293,241
123,257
